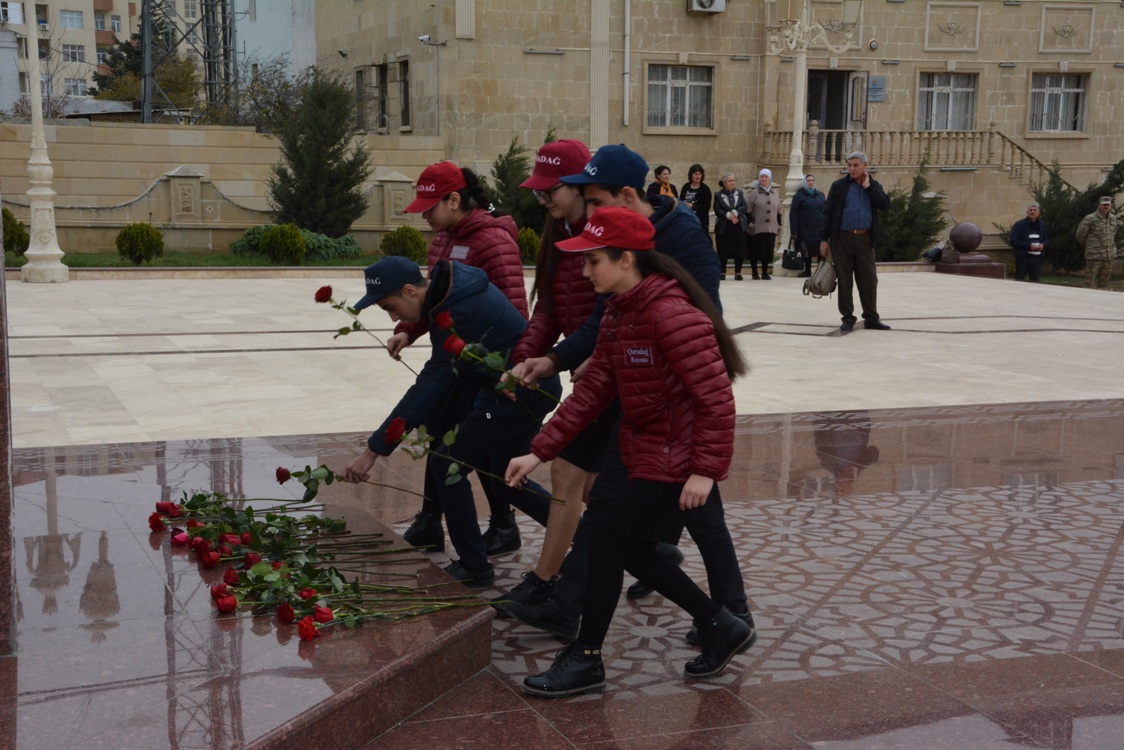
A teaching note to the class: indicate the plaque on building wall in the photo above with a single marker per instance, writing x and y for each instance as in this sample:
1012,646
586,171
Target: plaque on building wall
1066,28
952,27
876,89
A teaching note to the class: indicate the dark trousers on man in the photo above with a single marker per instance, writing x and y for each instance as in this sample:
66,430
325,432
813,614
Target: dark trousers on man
705,524
1026,263
854,264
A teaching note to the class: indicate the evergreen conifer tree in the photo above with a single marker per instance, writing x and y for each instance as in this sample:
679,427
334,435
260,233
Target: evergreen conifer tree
1063,209
914,221
317,184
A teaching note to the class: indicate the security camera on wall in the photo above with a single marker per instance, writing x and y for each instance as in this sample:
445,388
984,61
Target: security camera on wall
423,38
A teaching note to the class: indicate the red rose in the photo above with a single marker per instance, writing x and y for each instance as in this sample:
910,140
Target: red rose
175,511
322,614
444,320
180,539
285,613
251,559
209,559
307,629
278,564
219,589
454,345
194,523
230,577
230,539
226,604
395,430
197,542
309,594
225,550
283,475
324,294
163,507
246,538
156,523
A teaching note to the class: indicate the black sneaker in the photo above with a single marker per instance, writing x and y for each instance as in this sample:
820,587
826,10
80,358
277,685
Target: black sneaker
477,578
533,590
546,616
639,590
502,535
426,531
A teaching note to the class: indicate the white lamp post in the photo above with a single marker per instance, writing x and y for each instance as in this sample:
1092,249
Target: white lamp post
794,34
427,41
44,257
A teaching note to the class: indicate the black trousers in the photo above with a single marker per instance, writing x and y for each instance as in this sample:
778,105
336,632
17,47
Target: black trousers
1026,263
626,535
731,246
706,525
854,263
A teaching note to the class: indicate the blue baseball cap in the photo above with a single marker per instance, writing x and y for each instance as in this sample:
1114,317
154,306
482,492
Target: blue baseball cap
386,276
613,165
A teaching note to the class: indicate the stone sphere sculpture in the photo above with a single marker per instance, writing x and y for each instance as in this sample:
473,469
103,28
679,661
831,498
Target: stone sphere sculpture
966,236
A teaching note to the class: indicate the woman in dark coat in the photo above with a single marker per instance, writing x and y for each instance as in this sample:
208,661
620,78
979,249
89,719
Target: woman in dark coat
805,218
730,225
696,194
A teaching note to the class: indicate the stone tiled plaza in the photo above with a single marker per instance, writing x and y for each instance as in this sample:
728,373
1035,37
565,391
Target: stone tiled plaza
928,520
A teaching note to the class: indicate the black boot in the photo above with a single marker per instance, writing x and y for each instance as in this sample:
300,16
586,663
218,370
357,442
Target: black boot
533,590
426,531
473,578
723,637
577,669
502,535
694,639
548,616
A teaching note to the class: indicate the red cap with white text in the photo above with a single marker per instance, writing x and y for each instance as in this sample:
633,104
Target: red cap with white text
613,227
435,183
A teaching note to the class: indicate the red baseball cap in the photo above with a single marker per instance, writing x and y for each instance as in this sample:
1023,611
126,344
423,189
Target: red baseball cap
435,183
613,227
554,161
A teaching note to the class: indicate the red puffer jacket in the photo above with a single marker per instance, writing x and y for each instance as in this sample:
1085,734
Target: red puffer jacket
487,242
572,298
659,353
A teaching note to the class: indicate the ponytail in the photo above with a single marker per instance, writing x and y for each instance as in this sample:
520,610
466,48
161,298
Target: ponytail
472,194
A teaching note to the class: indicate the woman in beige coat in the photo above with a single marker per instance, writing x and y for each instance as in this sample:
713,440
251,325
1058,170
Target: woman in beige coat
764,212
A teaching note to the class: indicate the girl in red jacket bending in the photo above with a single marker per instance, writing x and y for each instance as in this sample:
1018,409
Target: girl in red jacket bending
665,352
563,300
452,202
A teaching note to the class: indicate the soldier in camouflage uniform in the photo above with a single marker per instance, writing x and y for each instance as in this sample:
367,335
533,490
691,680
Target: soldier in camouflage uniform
1097,235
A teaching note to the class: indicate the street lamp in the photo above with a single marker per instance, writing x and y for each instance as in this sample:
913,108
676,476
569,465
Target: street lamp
794,34
428,41
44,257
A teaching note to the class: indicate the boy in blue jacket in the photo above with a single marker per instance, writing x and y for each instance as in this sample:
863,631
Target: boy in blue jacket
496,429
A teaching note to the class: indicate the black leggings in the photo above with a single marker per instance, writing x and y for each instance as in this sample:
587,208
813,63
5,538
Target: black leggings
625,534
761,248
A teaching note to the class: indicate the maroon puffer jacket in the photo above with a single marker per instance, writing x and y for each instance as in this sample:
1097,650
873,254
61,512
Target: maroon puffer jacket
659,353
487,242
573,300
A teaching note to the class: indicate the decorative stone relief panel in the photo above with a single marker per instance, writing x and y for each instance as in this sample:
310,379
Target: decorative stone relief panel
838,17
952,27
1066,28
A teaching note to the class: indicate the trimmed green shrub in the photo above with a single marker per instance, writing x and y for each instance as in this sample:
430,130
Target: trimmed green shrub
16,238
140,242
528,240
283,245
318,246
405,241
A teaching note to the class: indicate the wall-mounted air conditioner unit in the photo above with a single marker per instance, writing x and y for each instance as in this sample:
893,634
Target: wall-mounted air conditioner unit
706,6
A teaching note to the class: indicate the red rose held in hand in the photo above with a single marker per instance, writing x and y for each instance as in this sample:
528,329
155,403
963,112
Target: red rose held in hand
283,475
444,320
226,604
307,629
454,345
324,294
156,523
395,430
285,613
322,614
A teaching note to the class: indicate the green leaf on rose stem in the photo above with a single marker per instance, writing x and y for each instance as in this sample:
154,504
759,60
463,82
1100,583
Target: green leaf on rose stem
272,575
313,486
340,332
321,472
495,361
423,434
450,436
260,569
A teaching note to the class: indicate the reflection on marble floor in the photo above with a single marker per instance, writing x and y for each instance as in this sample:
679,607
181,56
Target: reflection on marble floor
946,577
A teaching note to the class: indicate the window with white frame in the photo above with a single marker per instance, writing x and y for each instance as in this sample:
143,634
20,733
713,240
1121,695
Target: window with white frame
1057,102
190,8
946,101
70,19
11,12
680,96
73,53
404,93
103,55
115,23
44,85
75,86
99,22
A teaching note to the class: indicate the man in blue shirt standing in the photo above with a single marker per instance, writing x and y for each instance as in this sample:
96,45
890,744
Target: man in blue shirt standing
849,236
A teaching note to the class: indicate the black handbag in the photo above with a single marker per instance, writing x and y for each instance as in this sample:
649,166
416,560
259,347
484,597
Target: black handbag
793,257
